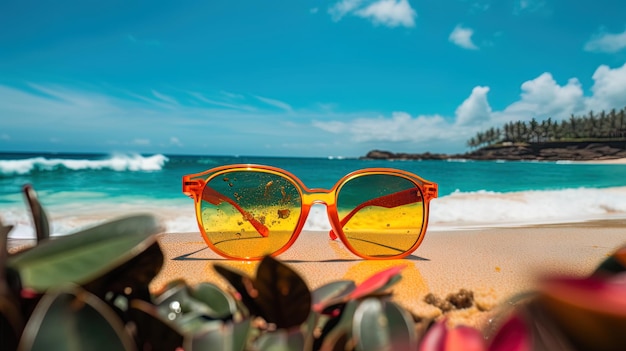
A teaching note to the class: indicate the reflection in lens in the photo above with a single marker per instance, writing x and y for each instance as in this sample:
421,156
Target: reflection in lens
382,215
248,214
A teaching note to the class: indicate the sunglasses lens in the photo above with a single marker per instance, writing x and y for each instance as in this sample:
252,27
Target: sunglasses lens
382,215
248,214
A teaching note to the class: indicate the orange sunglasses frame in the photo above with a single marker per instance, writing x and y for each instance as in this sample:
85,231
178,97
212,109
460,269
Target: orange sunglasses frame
194,184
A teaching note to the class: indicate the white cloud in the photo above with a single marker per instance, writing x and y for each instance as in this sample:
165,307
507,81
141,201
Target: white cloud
609,88
314,10
463,37
607,42
164,98
475,108
276,103
391,13
141,142
175,141
102,121
342,8
480,6
231,105
528,6
540,98
401,127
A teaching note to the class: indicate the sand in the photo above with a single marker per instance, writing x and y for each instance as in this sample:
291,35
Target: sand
613,161
495,263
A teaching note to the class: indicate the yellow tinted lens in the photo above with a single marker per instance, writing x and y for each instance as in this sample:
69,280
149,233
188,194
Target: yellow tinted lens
382,215
248,214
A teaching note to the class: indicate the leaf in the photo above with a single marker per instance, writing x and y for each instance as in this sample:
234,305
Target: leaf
281,340
331,293
513,335
11,320
591,311
277,294
220,336
74,319
369,326
221,305
243,285
153,332
442,338
87,255
615,263
40,218
336,337
402,328
379,325
132,278
283,297
376,282
544,332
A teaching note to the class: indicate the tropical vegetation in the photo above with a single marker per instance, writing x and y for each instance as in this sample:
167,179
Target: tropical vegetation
601,126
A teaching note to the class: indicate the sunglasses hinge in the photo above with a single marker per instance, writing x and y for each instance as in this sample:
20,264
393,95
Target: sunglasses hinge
430,191
192,187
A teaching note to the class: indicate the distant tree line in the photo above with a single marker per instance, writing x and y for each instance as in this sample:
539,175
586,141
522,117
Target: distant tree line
604,125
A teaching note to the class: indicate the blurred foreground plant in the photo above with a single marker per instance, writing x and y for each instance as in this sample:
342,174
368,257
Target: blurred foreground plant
89,291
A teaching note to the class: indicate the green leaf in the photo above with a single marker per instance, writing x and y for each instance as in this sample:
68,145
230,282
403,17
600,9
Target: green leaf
243,285
220,336
283,297
281,340
153,332
74,319
87,255
277,294
402,329
11,320
331,293
369,327
221,304
335,338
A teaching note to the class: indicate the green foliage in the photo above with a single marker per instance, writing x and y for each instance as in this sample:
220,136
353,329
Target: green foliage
605,126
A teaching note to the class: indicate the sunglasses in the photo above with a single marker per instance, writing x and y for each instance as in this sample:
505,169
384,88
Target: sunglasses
249,211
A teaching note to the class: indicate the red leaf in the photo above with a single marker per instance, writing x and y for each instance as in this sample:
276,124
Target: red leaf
375,282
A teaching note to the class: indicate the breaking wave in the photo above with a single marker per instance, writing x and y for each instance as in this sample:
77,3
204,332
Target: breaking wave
117,162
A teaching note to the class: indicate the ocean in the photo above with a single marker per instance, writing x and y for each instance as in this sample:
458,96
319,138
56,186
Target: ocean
79,190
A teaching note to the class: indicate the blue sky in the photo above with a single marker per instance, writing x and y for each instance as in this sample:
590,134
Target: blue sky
298,78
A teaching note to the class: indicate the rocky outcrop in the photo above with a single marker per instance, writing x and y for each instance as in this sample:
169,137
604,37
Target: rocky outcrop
386,155
549,151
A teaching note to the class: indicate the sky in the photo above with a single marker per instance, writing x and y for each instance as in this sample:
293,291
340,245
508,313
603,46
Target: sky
303,78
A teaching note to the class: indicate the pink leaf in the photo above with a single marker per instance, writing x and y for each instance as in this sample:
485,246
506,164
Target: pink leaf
460,338
375,282
513,335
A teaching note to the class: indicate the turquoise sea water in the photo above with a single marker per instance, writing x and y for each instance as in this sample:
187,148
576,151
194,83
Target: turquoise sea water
79,189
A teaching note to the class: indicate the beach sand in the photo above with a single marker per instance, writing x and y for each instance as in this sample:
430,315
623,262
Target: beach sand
495,263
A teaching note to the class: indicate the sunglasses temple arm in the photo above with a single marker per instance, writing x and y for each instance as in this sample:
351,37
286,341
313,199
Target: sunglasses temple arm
211,195
399,198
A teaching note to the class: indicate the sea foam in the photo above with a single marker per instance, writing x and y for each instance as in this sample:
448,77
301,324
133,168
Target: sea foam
455,211
116,162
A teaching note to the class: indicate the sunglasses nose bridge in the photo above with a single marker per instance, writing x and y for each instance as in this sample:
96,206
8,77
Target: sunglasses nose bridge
319,196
